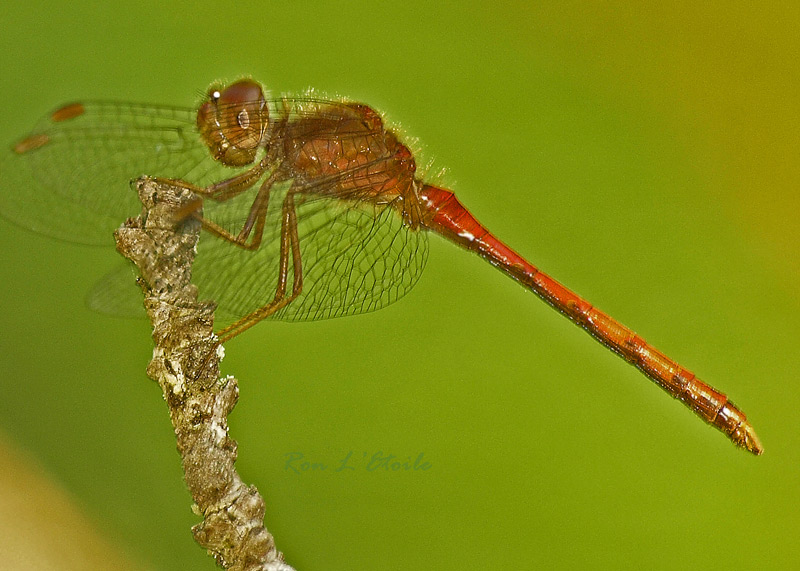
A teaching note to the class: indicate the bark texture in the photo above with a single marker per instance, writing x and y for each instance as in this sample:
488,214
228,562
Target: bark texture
186,365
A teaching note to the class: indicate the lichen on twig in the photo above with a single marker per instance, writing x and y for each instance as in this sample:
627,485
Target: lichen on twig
186,365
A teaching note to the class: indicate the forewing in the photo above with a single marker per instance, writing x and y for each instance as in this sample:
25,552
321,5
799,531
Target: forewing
70,179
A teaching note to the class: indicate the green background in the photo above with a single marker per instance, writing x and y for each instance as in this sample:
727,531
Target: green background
646,158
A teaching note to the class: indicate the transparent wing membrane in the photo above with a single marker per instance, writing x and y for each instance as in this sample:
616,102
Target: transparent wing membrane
356,257
75,185
117,294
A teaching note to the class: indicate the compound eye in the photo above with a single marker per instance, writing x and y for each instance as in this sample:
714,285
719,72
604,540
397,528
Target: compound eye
233,122
240,93
244,112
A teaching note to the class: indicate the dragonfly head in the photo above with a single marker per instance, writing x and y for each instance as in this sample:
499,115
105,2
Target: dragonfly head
233,122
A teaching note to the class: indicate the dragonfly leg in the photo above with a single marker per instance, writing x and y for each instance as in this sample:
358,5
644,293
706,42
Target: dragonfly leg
290,245
255,219
219,192
231,187
234,186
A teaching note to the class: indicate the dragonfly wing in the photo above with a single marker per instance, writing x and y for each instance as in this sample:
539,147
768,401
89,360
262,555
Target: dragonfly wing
116,293
362,259
357,256
70,179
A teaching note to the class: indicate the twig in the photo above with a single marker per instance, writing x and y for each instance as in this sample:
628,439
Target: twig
233,528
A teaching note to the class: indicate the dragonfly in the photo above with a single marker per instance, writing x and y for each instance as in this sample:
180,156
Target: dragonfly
313,207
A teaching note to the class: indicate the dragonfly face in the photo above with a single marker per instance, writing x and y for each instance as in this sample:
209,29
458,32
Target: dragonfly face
233,122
